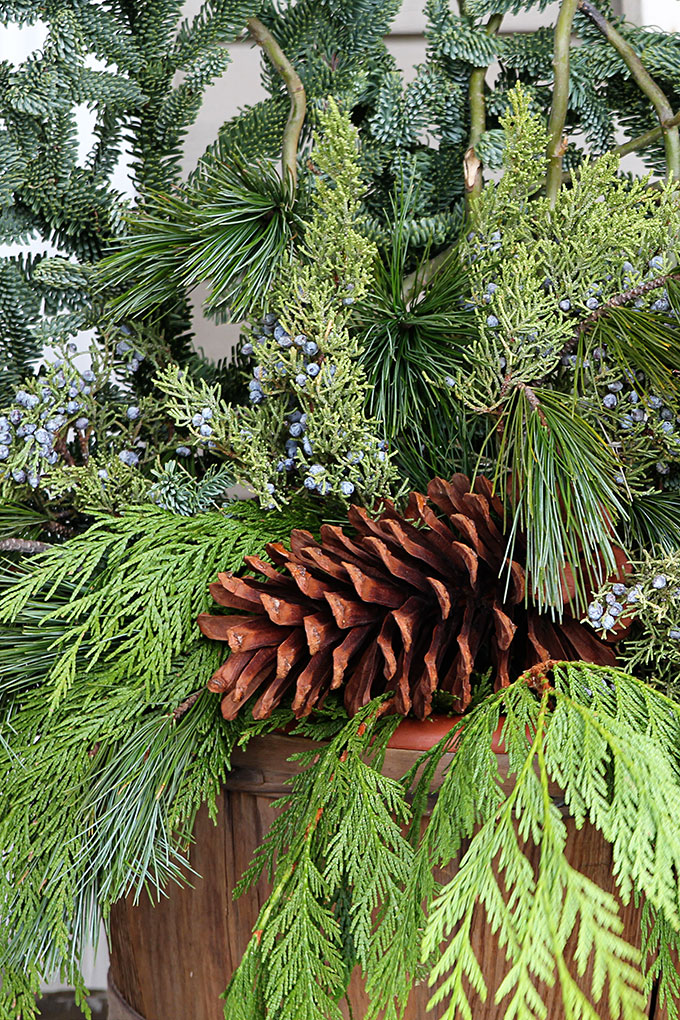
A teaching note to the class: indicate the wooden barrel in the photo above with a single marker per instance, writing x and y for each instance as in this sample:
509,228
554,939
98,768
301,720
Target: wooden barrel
173,961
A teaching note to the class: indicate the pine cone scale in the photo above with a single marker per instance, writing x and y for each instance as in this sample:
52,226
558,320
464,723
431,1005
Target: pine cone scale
226,677
289,653
347,612
312,679
396,566
284,611
320,631
388,633
343,653
370,590
405,605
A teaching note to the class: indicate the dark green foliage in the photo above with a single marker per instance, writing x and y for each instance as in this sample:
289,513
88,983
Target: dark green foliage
655,520
408,341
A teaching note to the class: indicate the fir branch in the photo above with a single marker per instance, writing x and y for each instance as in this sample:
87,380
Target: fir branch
298,101
560,98
646,83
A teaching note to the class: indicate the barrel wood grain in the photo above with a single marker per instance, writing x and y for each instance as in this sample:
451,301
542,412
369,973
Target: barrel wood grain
172,961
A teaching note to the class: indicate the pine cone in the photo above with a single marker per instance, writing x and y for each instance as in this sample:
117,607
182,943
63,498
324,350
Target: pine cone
410,604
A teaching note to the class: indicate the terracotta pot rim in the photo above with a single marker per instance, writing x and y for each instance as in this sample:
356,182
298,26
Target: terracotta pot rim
422,734
419,734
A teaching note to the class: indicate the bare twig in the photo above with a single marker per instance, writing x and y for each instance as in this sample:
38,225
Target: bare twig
24,545
647,138
560,100
296,92
472,163
533,402
641,75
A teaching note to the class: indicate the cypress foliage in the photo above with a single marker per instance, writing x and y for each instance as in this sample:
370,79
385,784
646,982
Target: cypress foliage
105,750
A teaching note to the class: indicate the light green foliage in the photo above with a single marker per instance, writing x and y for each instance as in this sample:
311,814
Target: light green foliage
545,357
604,738
338,843
80,435
314,291
660,945
537,256
102,777
650,599
140,581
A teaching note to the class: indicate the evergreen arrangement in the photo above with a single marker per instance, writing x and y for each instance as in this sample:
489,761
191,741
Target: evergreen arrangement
443,286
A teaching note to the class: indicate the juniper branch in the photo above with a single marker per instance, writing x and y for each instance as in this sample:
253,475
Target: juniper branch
560,102
624,298
296,92
641,75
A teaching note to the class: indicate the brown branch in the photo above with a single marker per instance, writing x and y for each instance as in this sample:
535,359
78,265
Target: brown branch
615,302
188,703
24,545
623,299
534,402
63,451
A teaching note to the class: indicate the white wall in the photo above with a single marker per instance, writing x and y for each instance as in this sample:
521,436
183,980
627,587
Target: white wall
241,85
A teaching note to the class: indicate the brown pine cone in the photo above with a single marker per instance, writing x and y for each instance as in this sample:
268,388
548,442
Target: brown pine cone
410,604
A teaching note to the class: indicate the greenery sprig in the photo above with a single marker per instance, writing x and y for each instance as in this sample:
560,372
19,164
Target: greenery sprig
307,429
607,741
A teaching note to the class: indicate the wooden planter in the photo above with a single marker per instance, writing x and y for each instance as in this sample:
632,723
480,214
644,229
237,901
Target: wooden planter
173,961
